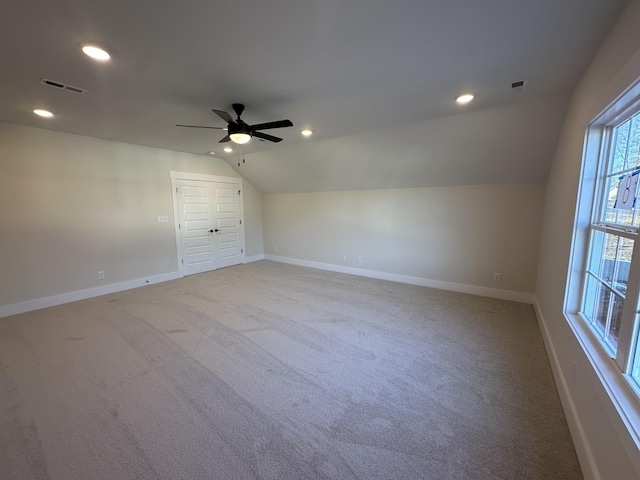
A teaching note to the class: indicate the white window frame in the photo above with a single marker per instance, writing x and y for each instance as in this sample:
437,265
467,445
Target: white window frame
619,388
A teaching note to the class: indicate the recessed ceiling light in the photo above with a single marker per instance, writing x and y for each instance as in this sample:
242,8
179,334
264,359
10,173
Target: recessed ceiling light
212,153
228,149
466,98
96,53
306,132
43,113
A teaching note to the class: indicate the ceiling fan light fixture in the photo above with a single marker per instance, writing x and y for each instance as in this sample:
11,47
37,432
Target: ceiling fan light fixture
240,137
306,132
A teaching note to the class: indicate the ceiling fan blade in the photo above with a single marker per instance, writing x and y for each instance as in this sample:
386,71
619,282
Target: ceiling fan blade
268,125
198,126
266,136
224,115
225,139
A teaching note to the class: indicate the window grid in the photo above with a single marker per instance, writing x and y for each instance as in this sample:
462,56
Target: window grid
604,304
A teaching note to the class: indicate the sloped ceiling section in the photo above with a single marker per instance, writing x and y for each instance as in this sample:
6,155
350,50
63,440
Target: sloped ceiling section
371,78
512,144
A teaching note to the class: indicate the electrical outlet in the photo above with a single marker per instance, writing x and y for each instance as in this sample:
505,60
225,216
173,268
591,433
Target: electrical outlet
360,260
101,275
344,257
275,249
497,276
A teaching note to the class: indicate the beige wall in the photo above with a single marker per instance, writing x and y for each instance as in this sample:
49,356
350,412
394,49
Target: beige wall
73,205
454,234
609,452
252,201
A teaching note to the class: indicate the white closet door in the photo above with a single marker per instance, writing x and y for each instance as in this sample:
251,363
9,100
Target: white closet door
226,199
209,225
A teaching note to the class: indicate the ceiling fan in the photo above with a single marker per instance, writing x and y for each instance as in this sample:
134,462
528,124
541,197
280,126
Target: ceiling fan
241,132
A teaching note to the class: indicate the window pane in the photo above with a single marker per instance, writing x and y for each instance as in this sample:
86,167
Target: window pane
616,320
620,147
601,309
590,298
595,253
611,193
635,369
623,262
615,215
609,257
602,258
634,148
633,145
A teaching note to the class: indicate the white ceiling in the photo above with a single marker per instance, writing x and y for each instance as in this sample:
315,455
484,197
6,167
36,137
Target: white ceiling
360,73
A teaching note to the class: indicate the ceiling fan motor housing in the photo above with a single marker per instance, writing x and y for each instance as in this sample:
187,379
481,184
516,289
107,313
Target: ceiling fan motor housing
239,128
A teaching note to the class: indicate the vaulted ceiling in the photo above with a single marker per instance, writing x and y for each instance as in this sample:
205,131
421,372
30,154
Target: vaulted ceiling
375,80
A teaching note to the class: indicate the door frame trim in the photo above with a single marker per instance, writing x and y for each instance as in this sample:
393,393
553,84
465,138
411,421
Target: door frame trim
175,176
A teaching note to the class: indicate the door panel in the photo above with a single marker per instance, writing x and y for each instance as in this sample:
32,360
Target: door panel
194,207
228,221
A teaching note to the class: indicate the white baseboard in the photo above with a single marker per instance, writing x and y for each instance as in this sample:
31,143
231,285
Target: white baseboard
37,304
423,282
583,448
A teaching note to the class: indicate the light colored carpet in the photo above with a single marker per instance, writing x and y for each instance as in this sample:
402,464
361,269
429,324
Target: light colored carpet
271,371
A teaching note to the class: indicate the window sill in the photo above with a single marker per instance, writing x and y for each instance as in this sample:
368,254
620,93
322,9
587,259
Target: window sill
620,390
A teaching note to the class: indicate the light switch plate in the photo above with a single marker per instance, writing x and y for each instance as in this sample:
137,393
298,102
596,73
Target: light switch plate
163,218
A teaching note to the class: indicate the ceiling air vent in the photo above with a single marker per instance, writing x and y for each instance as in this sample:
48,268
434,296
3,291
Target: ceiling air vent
519,85
63,86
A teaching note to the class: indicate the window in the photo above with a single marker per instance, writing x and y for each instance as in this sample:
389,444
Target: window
611,281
